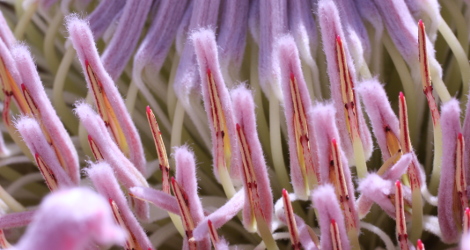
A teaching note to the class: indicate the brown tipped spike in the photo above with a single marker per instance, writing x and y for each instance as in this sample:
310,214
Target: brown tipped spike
420,245
335,237
131,241
105,110
4,244
460,181
425,75
400,217
94,149
161,150
213,233
338,180
49,176
347,92
466,221
223,153
188,222
291,224
404,128
309,170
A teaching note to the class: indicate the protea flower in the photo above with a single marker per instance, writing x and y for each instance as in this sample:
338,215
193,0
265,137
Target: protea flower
249,124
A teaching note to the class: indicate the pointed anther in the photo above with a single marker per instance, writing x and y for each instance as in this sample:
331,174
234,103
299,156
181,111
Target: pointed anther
186,217
402,235
161,150
291,224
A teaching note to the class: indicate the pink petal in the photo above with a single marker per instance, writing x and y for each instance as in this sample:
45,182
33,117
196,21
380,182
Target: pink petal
328,210
297,106
71,219
380,113
331,28
450,123
47,115
213,86
204,14
125,171
33,137
244,112
82,39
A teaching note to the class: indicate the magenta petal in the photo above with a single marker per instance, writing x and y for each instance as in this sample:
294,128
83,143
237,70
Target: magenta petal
71,219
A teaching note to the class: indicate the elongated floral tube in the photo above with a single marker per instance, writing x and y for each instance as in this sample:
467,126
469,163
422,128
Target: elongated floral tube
106,184
305,172
71,219
402,28
232,38
6,35
218,105
331,28
125,171
384,122
328,211
103,16
108,100
204,14
273,22
303,232
333,166
18,219
255,173
382,191
34,138
120,49
303,28
449,211
155,47
369,12
42,109
220,216
185,177
159,198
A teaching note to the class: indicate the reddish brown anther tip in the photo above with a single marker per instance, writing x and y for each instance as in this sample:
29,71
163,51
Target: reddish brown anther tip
419,244
398,184
23,87
338,40
238,127
148,109
421,23
401,95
